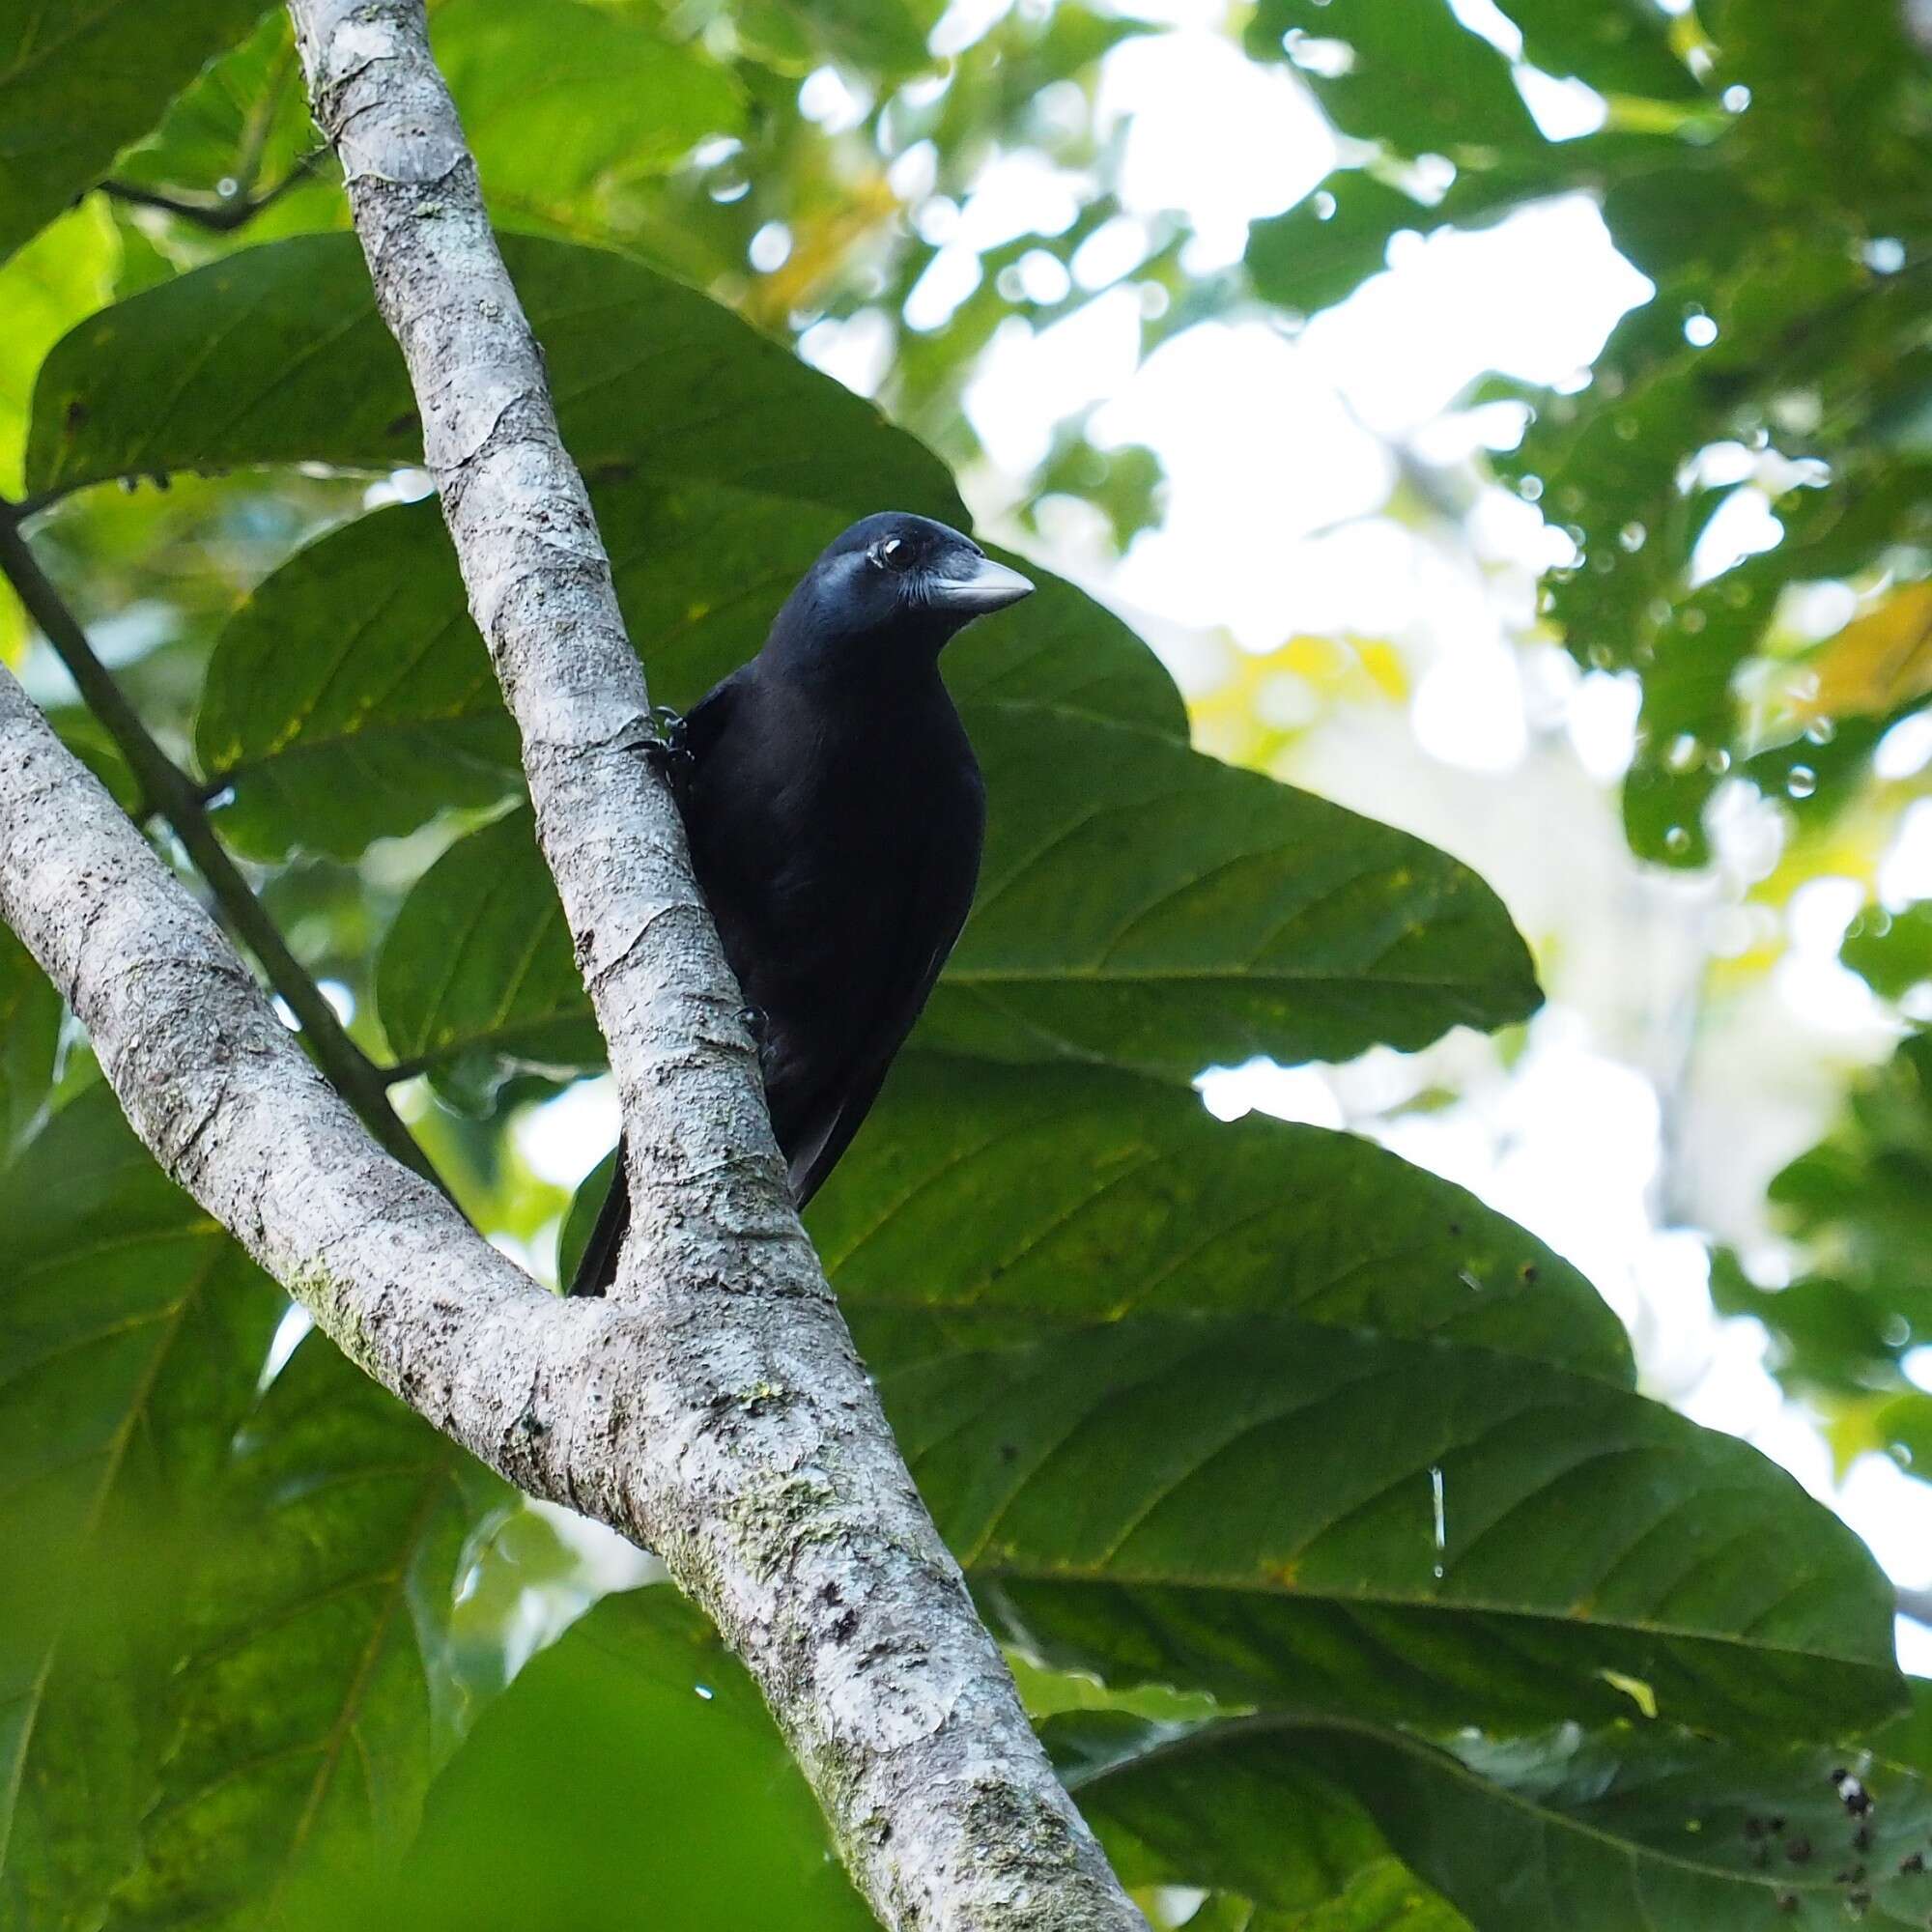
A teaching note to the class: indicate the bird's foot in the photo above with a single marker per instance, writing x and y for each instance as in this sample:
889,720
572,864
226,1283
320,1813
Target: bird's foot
667,753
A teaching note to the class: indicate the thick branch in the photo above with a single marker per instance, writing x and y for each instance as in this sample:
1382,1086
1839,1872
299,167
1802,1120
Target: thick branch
169,791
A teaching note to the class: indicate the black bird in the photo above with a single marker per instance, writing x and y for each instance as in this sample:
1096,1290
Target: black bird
835,811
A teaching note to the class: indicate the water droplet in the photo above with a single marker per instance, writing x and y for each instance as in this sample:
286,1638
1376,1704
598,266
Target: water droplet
1691,622
1821,731
1718,762
1631,536
1737,97
705,1691
1601,657
1684,753
1699,331
1324,206
1677,840
1468,1280
1800,781
1530,488
1439,1510
1629,429
228,187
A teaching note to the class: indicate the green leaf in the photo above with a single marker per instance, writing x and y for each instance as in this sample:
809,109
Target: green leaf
1618,46
1142,904
245,120
1415,77
70,97
989,1202
350,697
306,1737
62,275
631,1760
1890,951
277,355
557,99
1284,1513
131,1332
1332,241
1211,1806
334,732
1600,1831
30,1025
478,964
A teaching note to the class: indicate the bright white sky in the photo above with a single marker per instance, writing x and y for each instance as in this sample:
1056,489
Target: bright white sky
1277,455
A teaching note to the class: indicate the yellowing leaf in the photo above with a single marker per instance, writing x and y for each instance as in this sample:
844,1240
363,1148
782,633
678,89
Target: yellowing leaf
1877,662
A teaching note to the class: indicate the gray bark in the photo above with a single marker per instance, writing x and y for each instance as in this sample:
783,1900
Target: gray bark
714,1408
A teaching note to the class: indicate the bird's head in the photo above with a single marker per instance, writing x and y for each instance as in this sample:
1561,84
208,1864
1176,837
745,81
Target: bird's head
894,585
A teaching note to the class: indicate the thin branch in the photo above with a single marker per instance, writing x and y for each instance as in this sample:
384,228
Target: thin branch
221,213
777,1496
167,790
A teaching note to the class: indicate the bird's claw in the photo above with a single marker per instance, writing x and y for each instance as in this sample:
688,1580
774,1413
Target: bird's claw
667,752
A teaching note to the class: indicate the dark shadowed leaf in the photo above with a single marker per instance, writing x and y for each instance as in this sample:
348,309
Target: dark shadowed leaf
131,1332
306,1737
277,355
1284,1513
1632,1825
478,966
70,97
1145,905
631,1761
989,1202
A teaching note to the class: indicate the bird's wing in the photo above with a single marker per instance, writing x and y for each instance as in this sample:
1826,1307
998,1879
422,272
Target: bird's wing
941,898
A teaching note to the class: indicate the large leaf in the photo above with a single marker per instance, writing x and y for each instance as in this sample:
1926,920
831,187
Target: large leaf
1008,1202
1286,1512
631,1761
479,964
1140,905
305,1739
80,80
132,1332
277,355
1601,1831
351,697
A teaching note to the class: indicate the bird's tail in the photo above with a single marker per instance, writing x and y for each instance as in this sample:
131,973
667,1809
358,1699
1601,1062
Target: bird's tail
597,1267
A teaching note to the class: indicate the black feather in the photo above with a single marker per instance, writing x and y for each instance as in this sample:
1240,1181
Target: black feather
836,811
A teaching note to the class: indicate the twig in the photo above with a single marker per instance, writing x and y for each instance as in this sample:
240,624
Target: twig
221,213
167,790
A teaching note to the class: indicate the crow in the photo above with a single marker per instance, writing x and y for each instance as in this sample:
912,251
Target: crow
834,811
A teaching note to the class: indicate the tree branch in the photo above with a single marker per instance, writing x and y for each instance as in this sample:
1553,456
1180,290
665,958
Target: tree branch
167,790
713,1408
220,212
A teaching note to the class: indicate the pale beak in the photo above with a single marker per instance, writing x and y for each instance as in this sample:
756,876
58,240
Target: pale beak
985,586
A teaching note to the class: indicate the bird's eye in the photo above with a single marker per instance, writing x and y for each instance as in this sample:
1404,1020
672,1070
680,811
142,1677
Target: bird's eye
893,555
